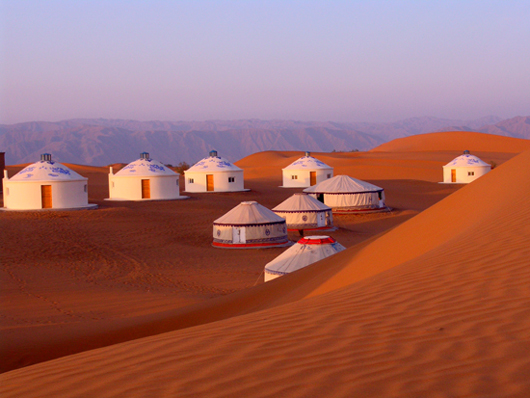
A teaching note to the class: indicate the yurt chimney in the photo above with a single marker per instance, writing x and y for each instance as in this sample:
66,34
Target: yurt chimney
144,155
46,157
213,153
466,152
307,153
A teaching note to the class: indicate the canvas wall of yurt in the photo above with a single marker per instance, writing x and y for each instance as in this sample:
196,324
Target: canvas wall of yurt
345,194
144,179
46,184
304,212
2,167
306,251
249,225
305,172
214,174
464,169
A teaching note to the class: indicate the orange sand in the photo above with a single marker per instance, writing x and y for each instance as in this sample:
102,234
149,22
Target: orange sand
436,306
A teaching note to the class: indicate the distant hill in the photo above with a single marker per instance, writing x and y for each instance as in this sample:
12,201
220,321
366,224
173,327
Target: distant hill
420,125
100,142
516,127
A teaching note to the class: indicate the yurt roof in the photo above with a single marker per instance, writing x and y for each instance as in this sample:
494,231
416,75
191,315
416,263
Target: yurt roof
307,162
300,202
249,213
145,168
343,184
212,164
47,170
306,251
466,160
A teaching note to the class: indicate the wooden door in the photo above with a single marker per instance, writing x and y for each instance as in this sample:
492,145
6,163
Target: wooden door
46,195
209,182
146,189
453,175
313,178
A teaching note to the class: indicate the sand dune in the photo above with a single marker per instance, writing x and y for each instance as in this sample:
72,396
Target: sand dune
436,307
455,140
73,281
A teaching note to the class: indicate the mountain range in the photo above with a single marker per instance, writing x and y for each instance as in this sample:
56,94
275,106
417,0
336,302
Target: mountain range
100,142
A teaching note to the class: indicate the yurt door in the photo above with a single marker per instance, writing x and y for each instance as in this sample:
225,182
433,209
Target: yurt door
238,235
146,189
453,175
313,178
46,194
209,182
321,219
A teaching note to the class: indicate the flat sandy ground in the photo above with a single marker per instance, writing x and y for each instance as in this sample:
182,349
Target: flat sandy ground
430,299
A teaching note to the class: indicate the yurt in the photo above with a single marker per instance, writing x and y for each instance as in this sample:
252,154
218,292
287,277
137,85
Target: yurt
144,179
305,172
306,251
464,169
46,185
2,167
345,194
214,174
249,225
303,212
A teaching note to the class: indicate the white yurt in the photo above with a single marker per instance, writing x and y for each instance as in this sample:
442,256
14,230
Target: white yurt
305,172
214,174
303,212
249,225
46,185
345,194
144,179
464,169
306,251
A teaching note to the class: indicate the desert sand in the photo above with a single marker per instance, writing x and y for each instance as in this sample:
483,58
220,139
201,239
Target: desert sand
428,300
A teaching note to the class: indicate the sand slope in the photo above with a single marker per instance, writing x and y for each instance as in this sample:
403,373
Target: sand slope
455,140
436,307
79,280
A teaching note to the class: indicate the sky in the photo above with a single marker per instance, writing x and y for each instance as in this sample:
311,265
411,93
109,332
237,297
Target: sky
344,61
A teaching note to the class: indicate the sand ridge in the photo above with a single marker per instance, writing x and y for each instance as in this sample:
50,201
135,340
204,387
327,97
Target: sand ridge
455,140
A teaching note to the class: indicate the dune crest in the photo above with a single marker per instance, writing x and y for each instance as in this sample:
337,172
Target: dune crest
455,141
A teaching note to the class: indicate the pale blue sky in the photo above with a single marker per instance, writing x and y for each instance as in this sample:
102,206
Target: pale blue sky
304,60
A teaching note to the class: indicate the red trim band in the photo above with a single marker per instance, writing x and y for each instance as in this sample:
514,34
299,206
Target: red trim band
309,241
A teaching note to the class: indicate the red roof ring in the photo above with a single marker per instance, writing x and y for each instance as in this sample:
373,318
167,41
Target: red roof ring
316,240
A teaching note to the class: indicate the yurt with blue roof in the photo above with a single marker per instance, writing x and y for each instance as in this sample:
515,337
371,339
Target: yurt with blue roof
214,174
305,172
144,179
464,169
46,185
